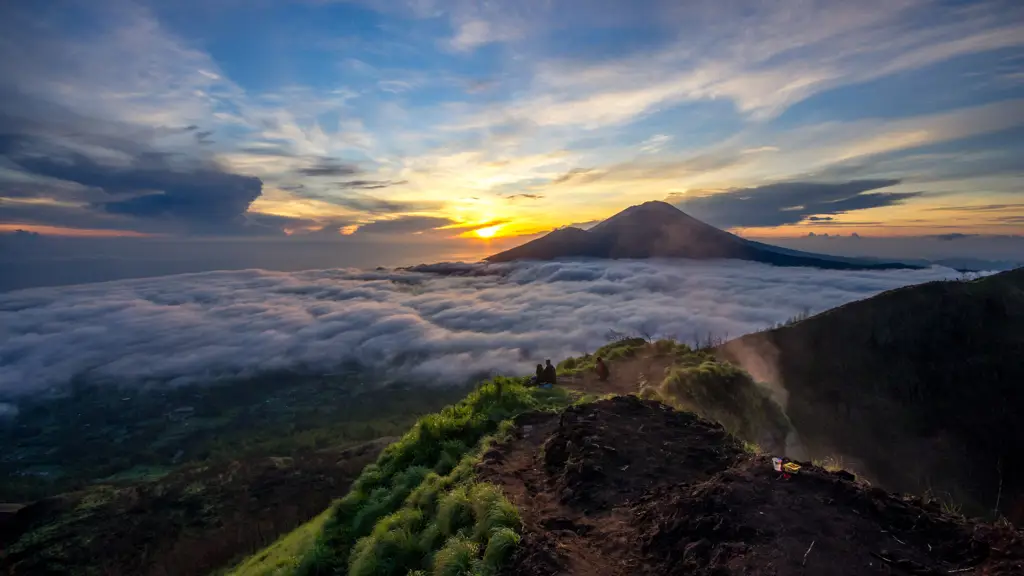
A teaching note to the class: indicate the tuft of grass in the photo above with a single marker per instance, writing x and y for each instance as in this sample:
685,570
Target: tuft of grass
830,463
456,558
752,448
454,512
500,547
492,511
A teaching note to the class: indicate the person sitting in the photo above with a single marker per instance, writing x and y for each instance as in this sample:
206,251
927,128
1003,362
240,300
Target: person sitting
602,370
536,380
549,376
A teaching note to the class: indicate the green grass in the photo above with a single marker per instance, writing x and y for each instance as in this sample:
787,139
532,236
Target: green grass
283,557
726,393
418,507
615,350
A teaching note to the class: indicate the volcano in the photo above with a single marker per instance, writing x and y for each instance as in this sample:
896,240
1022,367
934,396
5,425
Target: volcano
660,230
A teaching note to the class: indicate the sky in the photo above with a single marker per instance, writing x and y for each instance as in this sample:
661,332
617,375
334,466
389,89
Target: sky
465,125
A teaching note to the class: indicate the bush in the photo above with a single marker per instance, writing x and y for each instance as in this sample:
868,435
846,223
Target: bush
723,392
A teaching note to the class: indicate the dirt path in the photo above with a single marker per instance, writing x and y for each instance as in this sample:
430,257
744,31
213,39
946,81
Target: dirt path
625,375
629,487
574,475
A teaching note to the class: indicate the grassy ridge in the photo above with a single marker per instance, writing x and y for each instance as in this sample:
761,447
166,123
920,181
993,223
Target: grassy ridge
418,510
697,381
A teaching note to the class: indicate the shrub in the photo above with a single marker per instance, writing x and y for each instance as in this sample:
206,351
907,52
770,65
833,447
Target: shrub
723,392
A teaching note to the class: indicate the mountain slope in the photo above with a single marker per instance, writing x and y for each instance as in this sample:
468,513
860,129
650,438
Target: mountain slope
623,487
922,386
660,230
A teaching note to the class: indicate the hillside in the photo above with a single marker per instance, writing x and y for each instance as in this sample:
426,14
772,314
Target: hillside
922,387
192,521
660,230
625,487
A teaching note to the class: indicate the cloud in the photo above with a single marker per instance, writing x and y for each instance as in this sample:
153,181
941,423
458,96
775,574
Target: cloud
329,167
787,202
142,184
202,327
404,225
524,196
373,205
371,184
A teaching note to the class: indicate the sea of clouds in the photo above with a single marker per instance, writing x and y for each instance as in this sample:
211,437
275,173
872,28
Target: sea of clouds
442,327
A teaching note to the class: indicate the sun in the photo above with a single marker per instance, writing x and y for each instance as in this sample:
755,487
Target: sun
487,232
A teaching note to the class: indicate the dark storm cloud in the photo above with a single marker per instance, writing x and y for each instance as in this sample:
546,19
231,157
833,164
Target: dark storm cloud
788,202
107,175
404,225
202,327
820,218
203,193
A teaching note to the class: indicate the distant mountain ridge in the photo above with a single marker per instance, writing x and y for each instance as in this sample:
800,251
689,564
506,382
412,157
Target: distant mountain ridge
660,230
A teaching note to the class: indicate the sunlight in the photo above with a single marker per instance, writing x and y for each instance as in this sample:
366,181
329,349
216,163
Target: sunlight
489,231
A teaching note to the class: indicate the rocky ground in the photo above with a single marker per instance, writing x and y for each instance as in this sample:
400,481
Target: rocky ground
626,486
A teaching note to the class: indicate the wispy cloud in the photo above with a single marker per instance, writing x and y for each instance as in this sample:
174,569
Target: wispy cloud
788,202
587,107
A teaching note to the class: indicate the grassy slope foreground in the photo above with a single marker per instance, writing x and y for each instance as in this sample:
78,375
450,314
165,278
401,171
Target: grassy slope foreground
422,507
923,386
419,507
518,483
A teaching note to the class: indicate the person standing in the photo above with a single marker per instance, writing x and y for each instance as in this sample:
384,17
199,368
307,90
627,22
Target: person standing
602,370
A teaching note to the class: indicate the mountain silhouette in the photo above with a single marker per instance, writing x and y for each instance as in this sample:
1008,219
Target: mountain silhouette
660,230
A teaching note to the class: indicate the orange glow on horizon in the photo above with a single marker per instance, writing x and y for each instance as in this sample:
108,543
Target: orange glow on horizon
74,232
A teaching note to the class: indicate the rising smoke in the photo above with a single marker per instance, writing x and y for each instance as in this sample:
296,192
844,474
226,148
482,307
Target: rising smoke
441,327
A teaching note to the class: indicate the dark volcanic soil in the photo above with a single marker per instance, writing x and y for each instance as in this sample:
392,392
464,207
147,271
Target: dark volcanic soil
626,486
